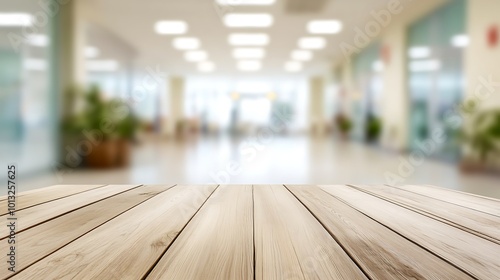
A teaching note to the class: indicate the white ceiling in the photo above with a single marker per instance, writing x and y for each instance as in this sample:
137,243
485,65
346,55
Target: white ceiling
133,21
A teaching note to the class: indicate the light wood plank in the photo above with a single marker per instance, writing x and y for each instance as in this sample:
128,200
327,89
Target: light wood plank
53,188
44,239
127,246
472,201
380,252
217,243
43,195
475,255
40,213
478,223
291,244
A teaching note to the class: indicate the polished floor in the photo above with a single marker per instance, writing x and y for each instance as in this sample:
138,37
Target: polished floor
272,160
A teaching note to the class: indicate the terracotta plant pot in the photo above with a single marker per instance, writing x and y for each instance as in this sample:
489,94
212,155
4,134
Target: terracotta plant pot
469,166
123,152
103,155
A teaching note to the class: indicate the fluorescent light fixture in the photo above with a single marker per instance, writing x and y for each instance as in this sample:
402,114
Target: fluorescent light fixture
102,65
249,65
312,43
171,27
206,66
460,41
91,52
425,65
35,64
186,43
253,87
196,56
419,52
302,55
38,40
245,2
248,39
252,53
324,26
293,66
378,66
248,20
15,19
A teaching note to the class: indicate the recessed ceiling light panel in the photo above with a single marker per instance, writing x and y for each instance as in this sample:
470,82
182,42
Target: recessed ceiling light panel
249,53
15,19
186,43
324,26
302,55
248,39
196,56
249,65
248,20
312,43
419,52
460,41
171,27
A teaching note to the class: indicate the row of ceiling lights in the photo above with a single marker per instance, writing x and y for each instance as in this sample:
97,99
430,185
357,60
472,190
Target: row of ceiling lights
248,47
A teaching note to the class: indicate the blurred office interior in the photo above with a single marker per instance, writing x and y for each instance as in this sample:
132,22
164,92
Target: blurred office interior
251,91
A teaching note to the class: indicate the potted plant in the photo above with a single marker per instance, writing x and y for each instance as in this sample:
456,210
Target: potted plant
482,140
373,129
126,131
344,125
99,119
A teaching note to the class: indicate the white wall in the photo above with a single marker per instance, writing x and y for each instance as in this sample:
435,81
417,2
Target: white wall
482,62
395,103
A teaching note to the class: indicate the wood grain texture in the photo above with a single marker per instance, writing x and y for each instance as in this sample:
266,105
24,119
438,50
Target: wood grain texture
380,252
217,243
479,203
291,244
44,239
40,213
478,223
43,195
475,255
127,246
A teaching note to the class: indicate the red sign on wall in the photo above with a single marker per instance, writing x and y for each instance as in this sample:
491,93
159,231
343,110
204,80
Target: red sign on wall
492,36
386,54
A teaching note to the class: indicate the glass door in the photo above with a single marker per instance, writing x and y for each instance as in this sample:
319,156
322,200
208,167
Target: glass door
436,77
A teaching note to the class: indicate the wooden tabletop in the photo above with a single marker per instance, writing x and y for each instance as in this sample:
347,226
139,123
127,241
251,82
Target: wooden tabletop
252,232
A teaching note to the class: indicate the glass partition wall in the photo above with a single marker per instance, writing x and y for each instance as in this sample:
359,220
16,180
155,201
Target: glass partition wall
27,103
367,67
435,65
